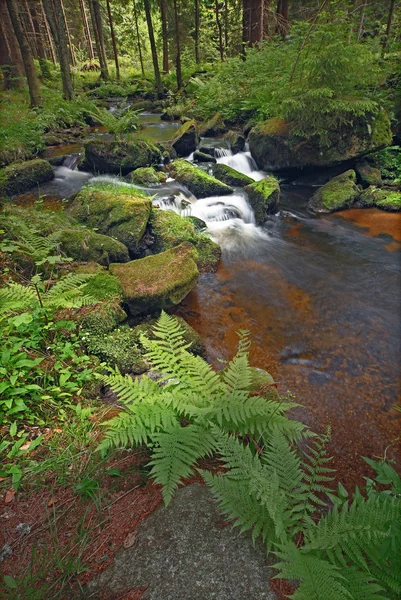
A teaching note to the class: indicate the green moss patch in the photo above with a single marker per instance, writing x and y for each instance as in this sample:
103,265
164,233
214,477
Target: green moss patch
230,176
147,176
386,199
368,175
213,127
84,245
120,155
197,181
117,348
264,196
339,193
103,286
18,178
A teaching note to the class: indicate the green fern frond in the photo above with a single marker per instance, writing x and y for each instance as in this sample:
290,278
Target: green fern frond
15,297
177,450
131,391
362,586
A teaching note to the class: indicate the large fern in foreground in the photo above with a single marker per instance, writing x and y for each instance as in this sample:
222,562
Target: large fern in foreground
178,415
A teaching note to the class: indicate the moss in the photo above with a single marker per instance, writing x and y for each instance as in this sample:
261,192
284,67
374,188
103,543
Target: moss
123,216
263,384
103,285
45,220
214,126
230,176
339,193
186,138
209,254
203,157
120,155
117,349
380,198
264,196
18,178
381,130
89,246
157,282
368,175
198,181
102,318
190,336
236,141
147,176
274,126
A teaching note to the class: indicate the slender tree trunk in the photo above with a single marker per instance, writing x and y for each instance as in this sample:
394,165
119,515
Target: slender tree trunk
99,38
67,31
388,28
55,17
226,26
87,30
197,28
163,14
177,47
31,75
10,54
219,29
153,49
44,68
138,38
48,34
282,18
252,23
361,21
113,39
30,30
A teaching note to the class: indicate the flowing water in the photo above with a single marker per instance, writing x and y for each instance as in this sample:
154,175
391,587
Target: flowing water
321,296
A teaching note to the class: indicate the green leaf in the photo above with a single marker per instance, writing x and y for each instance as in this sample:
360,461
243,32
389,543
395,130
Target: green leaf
10,582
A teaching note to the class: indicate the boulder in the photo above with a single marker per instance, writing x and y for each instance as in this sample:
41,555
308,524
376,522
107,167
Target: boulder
197,181
157,282
84,245
339,193
169,229
264,196
119,155
119,213
275,148
230,176
367,175
203,157
186,139
236,141
207,150
100,319
213,127
20,177
118,348
167,151
384,198
146,176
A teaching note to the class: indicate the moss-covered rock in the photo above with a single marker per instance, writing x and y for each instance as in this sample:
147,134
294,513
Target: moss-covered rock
203,157
100,319
275,148
368,175
263,384
119,155
159,281
167,151
20,177
147,176
384,198
84,245
169,230
213,127
264,196
190,336
119,213
186,139
236,141
230,176
199,224
197,181
103,286
118,348
339,193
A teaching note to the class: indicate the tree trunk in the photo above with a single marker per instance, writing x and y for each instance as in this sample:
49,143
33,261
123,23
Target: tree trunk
219,29
138,38
39,40
31,75
226,26
252,23
87,30
153,48
55,17
113,39
30,30
99,38
197,27
67,31
11,61
48,34
282,18
177,47
388,28
163,13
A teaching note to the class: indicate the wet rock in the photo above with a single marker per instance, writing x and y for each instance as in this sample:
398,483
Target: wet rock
264,196
159,281
20,177
167,151
368,175
203,157
236,141
275,148
183,553
230,176
198,224
119,155
339,193
213,127
146,176
117,212
197,181
385,198
84,245
207,149
186,139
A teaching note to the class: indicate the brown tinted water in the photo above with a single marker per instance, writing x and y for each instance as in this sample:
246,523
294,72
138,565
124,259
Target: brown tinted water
321,298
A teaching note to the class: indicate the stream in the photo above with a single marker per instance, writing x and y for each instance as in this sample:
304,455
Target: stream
321,296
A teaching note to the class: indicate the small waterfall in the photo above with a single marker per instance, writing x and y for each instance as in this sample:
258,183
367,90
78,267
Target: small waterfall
242,162
71,161
221,152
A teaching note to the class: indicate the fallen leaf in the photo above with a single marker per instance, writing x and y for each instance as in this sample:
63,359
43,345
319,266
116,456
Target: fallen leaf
9,497
51,502
25,446
130,540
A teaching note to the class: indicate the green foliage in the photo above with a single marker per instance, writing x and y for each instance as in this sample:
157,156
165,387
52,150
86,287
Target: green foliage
388,161
177,415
